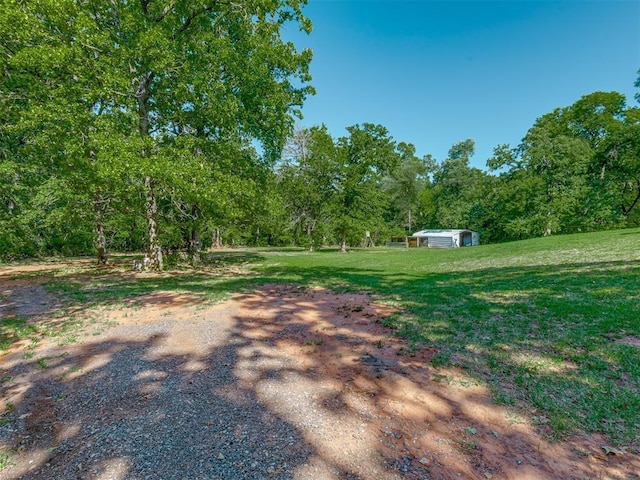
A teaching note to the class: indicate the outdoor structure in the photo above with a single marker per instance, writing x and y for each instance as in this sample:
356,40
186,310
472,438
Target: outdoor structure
447,238
403,242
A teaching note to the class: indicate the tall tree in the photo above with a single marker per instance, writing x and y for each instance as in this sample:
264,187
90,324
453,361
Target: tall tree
458,187
576,169
203,71
612,131
367,155
307,182
406,183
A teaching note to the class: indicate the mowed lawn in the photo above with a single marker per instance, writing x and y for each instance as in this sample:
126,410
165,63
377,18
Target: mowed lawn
551,325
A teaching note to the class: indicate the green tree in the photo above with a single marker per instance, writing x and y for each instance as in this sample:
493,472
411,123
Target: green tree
367,155
576,169
307,182
612,131
405,184
459,188
159,80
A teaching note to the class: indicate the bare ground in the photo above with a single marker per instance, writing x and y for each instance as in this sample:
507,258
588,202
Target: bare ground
284,382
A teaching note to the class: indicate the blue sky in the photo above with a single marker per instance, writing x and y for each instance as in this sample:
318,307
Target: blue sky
435,73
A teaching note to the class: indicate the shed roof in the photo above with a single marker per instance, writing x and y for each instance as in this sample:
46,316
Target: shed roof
440,232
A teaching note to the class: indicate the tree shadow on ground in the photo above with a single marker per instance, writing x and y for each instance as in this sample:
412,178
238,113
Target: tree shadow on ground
546,337
396,408
278,373
139,409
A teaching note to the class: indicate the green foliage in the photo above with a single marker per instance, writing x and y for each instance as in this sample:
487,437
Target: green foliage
405,185
120,114
576,170
366,156
306,180
138,126
460,190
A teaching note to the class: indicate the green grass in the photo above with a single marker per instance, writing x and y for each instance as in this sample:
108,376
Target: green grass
5,459
547,324
13,329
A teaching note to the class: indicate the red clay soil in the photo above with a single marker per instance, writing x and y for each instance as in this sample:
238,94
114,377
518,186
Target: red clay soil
360,400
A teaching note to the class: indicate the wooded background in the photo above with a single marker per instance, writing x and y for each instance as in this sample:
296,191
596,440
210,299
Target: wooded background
170,126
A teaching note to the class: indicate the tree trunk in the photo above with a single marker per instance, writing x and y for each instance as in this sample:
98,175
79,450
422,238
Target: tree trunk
100,205
142,94
626,211
101,243
195,246
216,241
343,243
151,211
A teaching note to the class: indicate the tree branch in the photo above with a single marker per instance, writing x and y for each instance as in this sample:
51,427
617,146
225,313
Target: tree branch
189,20
627,211
166,11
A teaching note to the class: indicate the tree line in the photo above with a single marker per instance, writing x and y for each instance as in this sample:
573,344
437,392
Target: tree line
169,126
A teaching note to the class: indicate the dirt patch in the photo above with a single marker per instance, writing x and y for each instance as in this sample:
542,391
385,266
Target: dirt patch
18,269
284,382
26,300
630,341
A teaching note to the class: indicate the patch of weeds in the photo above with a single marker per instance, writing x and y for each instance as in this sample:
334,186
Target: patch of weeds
27,355
13,329
440,378
389,322
561,425
408,349
467,447
72,369
502,397
5,459
379,344
441,359
9,407
6,379
314,342
67,339
42,363
61,313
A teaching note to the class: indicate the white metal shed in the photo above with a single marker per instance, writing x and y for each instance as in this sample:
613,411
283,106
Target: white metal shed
447,238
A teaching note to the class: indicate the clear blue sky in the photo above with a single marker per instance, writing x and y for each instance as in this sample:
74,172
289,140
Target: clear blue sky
435,73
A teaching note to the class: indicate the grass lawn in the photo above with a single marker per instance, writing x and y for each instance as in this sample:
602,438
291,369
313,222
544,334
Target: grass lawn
551,325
